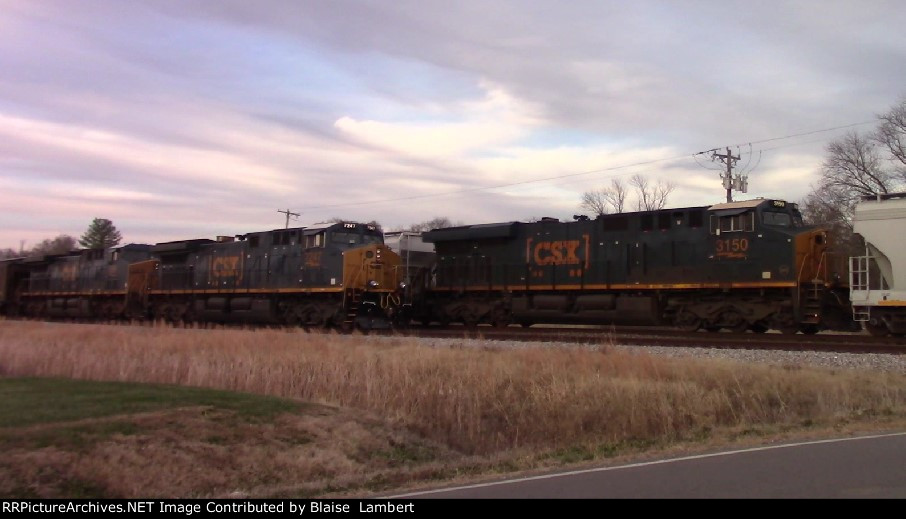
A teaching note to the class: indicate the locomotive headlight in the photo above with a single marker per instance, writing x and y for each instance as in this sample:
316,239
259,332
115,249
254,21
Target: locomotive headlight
403,285
373,284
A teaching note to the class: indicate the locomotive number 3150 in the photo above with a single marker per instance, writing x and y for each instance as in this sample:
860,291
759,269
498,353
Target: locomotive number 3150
732,245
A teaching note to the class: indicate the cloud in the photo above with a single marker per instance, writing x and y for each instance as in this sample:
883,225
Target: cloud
192,118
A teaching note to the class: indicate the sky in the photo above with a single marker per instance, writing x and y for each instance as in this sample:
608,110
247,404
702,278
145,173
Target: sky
181,119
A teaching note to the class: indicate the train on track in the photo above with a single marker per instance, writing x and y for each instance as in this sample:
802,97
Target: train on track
747,265
337,275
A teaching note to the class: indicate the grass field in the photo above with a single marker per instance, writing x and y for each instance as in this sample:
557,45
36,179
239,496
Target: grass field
311,414
83,439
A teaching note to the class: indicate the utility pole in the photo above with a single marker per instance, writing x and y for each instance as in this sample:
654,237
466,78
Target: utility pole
288,214
740,183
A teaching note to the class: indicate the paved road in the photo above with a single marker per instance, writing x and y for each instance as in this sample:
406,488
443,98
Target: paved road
862,467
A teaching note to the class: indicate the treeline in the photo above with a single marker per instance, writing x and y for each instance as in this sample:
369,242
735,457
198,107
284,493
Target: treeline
101,233
856,165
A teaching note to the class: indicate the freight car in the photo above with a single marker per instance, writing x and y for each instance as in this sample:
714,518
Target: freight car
339,275
878,279
748,265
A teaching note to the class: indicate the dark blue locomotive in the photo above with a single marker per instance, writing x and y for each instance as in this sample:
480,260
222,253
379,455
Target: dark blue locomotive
339,275
738,265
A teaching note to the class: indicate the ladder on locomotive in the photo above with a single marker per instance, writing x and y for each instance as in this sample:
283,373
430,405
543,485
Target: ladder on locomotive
353,297
814,293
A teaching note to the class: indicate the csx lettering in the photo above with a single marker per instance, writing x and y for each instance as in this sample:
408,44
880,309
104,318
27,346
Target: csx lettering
226,267
68,273
557,252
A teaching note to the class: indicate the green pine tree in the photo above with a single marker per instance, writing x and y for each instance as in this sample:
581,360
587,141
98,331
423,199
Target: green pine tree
101,234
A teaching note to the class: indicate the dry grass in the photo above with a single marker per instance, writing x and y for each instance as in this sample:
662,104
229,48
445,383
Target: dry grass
474,401
210,452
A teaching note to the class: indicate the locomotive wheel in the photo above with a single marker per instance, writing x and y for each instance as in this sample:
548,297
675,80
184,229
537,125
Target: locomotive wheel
740,327
809,329
759,327
687,321
500,319
878,329
713,329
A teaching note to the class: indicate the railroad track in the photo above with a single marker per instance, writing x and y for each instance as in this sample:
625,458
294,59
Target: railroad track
641,336
638,336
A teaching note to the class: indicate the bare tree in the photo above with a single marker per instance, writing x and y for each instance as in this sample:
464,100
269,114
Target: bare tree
438,222
651,198
606,200
855,166
59,245
595,202
892,135
616,195
832,208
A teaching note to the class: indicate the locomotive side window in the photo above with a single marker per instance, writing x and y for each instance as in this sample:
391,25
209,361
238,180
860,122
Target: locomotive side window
314,240
647,222
663,220
743,222
696,218
615,223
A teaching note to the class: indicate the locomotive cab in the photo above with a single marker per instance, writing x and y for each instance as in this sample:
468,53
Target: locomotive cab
766,244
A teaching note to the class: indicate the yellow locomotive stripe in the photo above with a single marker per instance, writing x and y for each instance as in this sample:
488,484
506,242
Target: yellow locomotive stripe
203,291
259,291
78,294
620,286
892,302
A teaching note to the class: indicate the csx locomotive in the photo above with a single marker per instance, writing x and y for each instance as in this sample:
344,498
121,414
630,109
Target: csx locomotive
749,265
339,275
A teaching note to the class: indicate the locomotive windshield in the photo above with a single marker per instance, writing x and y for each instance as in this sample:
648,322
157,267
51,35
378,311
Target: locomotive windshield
776,218
782,218
354,238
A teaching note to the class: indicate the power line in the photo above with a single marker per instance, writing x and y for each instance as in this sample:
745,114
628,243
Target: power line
288,214
730,183
487,188
602,170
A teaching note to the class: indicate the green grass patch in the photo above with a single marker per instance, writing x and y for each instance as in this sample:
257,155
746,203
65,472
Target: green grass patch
32,401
